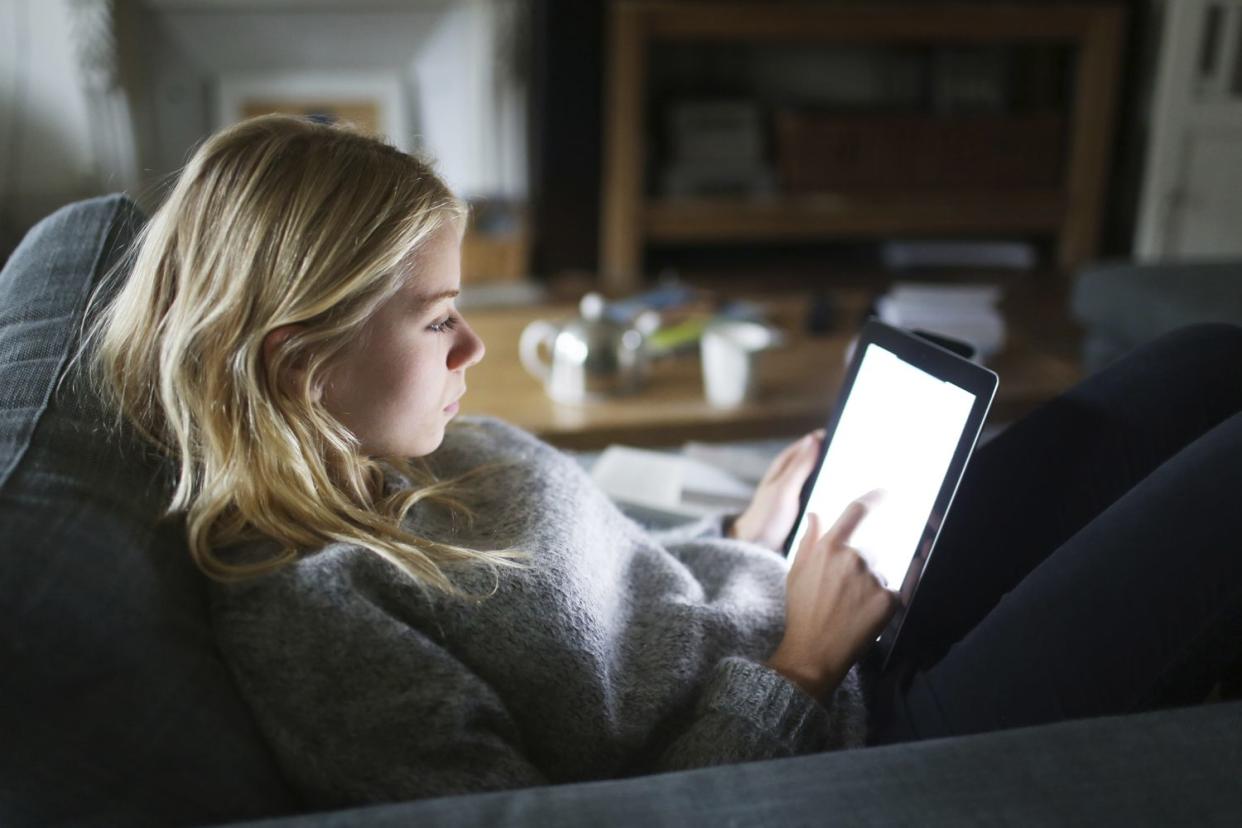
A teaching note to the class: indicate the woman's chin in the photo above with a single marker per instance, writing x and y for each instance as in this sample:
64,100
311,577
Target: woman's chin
432,441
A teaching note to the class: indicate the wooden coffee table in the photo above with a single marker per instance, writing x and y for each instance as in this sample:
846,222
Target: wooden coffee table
798,384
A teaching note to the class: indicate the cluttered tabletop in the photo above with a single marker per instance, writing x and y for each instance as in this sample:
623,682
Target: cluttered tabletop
666,368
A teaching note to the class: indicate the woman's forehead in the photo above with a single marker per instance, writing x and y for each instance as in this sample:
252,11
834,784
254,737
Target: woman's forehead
427,274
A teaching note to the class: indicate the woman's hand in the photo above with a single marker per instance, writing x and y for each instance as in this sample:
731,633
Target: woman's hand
835,606
772,511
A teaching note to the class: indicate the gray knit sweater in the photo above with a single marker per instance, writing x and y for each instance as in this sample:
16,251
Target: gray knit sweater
617,652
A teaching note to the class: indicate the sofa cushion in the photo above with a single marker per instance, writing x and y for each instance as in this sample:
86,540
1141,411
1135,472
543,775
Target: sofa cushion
115,707
1169,767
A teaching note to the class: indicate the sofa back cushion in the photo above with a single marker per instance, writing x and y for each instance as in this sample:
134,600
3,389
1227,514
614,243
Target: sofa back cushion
115,708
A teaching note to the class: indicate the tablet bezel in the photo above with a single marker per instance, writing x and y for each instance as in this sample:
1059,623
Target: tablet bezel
947,366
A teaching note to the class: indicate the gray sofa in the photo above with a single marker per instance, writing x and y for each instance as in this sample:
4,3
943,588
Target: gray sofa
116,709
1124,304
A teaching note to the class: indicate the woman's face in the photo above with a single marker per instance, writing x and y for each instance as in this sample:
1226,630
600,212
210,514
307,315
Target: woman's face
396,387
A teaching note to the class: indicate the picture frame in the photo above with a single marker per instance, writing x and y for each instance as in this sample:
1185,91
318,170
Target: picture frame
373,101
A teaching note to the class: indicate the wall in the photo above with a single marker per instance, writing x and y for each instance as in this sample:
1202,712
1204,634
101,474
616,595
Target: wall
46,154
454,58
1145,23
460,64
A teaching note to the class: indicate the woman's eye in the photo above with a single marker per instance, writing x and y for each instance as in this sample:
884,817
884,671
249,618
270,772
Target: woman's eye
444,325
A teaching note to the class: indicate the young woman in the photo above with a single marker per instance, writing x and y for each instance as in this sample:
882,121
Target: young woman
415,607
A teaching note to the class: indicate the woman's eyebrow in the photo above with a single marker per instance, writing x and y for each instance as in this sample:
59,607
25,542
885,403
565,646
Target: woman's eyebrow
427,300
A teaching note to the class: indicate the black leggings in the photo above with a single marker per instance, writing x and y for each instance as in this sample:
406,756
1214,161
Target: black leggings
1092,559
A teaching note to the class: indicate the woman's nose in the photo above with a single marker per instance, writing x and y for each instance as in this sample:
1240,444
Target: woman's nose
469,349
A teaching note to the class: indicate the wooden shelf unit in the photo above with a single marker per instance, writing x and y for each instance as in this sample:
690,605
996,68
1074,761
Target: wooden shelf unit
802,218
1071,212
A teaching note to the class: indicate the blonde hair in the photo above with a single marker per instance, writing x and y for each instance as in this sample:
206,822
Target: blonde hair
276,221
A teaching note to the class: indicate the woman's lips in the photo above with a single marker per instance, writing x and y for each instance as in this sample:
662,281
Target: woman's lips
451,408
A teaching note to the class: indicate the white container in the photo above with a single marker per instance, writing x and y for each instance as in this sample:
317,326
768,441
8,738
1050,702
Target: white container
730,351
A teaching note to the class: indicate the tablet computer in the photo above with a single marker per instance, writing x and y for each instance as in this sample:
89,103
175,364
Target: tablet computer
906,421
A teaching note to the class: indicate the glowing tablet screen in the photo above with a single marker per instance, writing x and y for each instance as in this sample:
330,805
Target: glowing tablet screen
898,432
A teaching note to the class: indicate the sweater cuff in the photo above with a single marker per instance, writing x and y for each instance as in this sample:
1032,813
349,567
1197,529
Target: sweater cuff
751,691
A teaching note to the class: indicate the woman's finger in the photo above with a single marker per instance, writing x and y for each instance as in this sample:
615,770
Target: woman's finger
848,522
802,460
801,464
788,454
812,536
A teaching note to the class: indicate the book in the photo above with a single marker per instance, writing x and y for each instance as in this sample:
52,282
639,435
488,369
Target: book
966,312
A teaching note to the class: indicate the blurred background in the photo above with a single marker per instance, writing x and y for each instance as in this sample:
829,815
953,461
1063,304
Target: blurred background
1051,182
509,96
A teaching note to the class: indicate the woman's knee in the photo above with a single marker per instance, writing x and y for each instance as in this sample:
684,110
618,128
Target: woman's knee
1194,372
1218,344
1206,355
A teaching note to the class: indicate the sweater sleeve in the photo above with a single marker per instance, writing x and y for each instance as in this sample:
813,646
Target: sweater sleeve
359,707
710,526
361,704
749,712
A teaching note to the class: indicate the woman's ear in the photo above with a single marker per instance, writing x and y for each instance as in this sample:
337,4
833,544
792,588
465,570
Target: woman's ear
273,342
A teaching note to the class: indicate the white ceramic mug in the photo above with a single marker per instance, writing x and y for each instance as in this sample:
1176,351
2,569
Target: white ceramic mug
730,349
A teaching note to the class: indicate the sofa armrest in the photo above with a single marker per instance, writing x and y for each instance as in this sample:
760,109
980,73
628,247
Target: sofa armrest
1167,767
1124,304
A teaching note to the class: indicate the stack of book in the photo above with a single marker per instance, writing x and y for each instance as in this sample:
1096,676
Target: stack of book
964,312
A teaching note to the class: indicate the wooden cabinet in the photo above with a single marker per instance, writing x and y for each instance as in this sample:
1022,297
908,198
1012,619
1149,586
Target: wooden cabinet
1067,209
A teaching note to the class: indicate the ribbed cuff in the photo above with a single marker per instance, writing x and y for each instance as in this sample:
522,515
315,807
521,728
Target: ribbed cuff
773,704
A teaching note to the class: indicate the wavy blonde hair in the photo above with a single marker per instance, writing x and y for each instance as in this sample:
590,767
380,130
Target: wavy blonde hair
276,221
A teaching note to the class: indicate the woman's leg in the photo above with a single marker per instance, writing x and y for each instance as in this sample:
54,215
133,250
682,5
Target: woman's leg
1143,601
1043,480
1047,476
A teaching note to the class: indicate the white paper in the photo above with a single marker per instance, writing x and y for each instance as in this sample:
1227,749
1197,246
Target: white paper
668,482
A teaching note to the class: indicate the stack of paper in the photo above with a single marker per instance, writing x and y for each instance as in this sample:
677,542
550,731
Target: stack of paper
965,312
747,461
669,483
